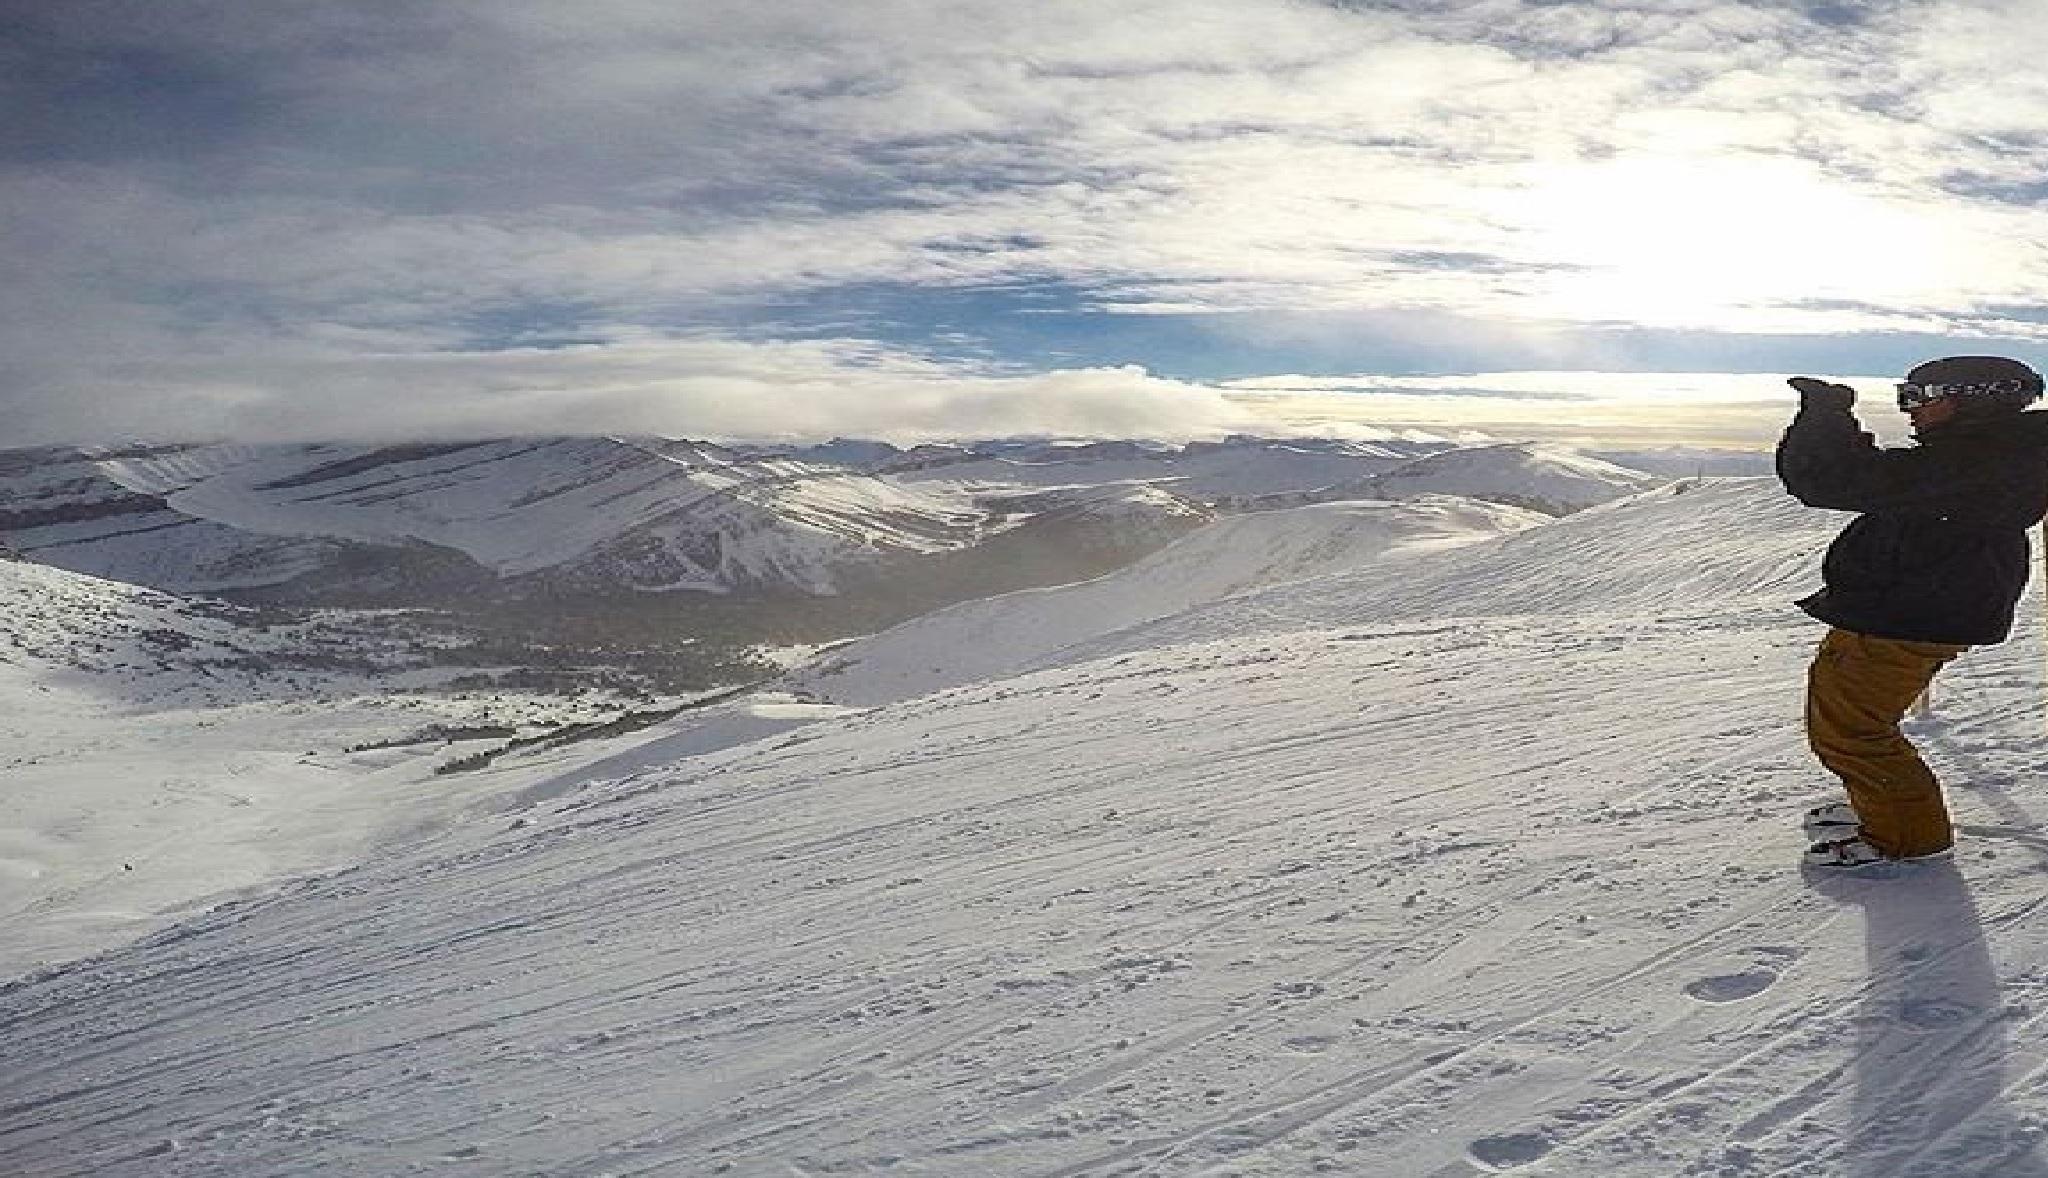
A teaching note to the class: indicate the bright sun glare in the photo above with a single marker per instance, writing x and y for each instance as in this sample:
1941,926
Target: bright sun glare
1723,242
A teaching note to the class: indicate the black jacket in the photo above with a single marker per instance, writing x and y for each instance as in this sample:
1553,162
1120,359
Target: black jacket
1939,553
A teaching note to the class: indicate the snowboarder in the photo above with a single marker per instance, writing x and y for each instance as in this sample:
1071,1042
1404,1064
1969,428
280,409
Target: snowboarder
1932,565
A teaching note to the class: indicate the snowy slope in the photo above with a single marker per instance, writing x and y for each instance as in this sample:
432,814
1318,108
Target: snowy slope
97,774
1203,471
981,639
55,624
1663,552
157,752
1509,887
635,513
1136,505
1550,479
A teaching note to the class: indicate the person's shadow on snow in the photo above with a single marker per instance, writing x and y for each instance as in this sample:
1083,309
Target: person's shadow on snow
1929,1063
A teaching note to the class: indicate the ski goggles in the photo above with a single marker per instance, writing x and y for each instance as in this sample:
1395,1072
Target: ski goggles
1912,396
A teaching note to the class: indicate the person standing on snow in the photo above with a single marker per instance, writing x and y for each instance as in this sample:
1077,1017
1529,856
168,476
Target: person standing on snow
1932,565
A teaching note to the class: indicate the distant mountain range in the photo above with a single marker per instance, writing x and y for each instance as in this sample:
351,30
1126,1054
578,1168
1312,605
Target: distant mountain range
554,517
362,523
659,564
663,549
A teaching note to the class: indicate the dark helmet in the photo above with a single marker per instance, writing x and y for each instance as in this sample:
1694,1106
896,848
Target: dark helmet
1981,385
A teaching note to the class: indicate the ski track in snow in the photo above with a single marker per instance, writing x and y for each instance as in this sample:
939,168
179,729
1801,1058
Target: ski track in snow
1442,898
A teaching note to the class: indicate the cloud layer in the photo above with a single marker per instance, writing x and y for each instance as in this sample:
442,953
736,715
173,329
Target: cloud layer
717,389
1726,410
513,217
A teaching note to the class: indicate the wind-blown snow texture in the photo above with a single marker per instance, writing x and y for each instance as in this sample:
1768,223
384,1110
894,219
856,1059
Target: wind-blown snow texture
1482,863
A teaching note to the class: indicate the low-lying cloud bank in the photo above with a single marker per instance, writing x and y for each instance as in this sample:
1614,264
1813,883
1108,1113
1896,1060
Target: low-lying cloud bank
1731,410
799,391
705,388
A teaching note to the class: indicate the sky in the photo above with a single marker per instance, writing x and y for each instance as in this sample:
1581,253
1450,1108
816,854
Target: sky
1615,222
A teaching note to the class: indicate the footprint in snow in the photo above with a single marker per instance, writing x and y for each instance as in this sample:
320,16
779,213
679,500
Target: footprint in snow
1505,1151
1731,987
1311,1044
1933,1013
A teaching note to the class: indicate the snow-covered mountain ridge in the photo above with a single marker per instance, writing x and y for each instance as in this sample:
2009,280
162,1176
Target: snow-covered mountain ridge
627,513
1236,555
1204,471
593,516
1548,479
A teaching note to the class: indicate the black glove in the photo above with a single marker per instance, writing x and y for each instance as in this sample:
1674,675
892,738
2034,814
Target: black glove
1821,394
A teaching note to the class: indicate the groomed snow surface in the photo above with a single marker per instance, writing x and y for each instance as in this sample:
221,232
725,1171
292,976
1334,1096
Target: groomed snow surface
1479,859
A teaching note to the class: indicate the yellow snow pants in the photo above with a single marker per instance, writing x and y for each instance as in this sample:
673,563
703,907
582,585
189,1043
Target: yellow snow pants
1857,691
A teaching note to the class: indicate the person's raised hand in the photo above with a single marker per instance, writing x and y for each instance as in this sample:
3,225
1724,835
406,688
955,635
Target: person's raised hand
1815,393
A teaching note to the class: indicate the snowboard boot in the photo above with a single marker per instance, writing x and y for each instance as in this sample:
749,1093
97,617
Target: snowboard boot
1832,818
1847,851
1852,851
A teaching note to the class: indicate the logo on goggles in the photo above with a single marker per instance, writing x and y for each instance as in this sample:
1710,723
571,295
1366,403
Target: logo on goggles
1912,396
